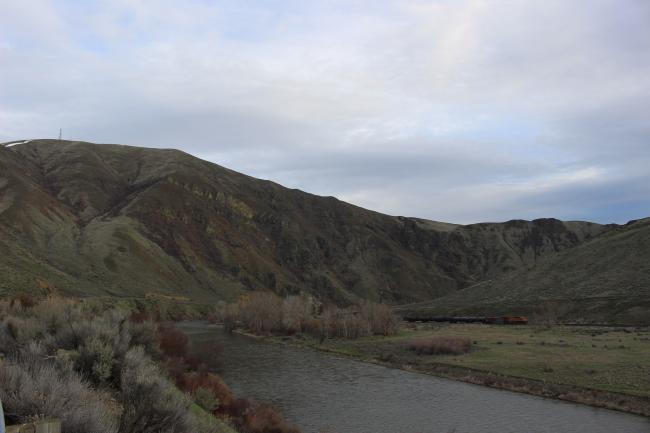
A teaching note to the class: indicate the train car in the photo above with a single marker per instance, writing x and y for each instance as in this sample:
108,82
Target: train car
491,320
515,320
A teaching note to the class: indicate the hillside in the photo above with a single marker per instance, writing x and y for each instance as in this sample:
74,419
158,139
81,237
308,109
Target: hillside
602,280
126,221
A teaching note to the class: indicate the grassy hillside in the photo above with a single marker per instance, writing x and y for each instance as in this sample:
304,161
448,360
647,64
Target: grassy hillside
604,279
127,221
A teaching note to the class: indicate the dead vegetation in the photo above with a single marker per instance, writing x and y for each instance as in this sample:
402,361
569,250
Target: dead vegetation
105,370
266,313
441,345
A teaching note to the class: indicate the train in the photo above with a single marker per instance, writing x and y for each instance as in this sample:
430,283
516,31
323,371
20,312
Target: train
494,320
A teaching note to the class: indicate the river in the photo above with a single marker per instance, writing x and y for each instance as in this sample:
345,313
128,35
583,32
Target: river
324,393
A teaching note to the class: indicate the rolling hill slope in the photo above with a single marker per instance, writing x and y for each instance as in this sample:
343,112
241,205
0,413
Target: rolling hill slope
126,221
606,279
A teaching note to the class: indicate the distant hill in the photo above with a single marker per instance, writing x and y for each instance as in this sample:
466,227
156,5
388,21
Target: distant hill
606,279
126,221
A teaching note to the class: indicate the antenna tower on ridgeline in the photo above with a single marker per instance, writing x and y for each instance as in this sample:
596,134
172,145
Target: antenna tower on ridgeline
60,133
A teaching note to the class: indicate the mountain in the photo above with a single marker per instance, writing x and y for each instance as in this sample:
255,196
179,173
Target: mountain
606,279
100,219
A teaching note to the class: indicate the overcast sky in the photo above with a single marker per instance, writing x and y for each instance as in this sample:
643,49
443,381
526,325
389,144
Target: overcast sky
452,110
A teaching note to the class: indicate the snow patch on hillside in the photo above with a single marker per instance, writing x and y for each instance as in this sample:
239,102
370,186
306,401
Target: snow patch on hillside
15,143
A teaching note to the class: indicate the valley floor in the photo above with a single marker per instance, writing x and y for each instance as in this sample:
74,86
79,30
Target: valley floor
606,367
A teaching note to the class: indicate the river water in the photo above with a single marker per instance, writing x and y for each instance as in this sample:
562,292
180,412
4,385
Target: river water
324,393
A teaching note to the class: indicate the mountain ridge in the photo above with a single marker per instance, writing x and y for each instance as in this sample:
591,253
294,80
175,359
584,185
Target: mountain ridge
128,221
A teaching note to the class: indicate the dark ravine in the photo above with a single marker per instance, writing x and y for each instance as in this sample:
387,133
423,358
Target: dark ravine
604,280
90,219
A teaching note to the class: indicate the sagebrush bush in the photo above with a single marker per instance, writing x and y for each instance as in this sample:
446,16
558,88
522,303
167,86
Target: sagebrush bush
56,312
15,332
95,369
203,422
145,334
95,360
205,399
33,389
151,403
441,345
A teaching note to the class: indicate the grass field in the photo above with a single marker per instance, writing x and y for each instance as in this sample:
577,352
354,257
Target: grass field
613,360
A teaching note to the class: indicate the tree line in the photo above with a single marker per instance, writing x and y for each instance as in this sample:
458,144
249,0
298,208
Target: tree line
264,312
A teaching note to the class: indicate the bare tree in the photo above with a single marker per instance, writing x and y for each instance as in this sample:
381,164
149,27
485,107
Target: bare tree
262,312
296,311
380,318
546,314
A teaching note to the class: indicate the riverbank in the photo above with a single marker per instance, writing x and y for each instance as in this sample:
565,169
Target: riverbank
601,367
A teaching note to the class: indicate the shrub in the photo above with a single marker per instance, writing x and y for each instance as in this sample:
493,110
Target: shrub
326,322
140,317
230,315
441,345
205,399
55,313
380,318
173,342
219,313
265,312
313,327
51,348
23,300
355,322
262,418
262,312
73,332
15,332
344,323
191,382
98,344
176,369
151,403
353,325
204,422
146,334
30,390
296,311
95,360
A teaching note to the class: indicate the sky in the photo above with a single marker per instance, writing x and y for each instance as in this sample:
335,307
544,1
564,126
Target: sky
452,110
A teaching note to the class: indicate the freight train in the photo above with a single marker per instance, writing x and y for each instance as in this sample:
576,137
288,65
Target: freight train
495,320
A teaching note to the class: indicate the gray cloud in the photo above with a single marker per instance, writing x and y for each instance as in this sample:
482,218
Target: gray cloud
464,111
